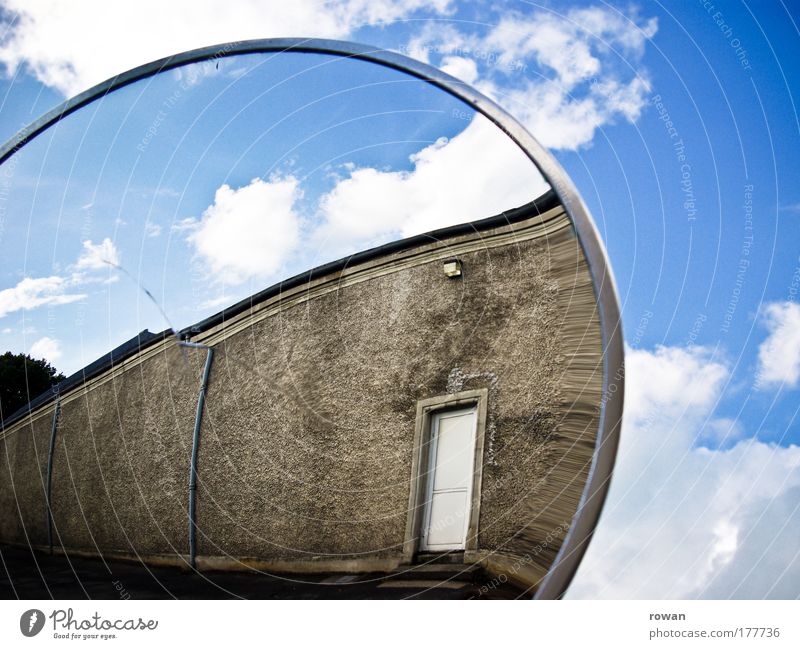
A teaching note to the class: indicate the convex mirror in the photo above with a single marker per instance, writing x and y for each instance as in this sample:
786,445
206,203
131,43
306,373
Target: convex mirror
349,297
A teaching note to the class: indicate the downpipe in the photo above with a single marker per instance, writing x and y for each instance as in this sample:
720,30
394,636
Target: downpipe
198,419
51,451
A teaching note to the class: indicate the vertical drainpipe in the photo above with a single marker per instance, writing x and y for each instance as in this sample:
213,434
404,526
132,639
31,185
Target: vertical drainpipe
198,418
48,495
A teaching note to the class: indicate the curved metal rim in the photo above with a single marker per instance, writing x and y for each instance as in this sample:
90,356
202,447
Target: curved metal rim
586,516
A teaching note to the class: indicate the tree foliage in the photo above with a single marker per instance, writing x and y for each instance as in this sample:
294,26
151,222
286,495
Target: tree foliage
23,378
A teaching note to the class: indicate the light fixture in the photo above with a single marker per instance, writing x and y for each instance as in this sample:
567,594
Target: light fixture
452,268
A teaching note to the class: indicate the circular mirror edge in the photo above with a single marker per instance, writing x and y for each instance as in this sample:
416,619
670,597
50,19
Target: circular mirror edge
584,521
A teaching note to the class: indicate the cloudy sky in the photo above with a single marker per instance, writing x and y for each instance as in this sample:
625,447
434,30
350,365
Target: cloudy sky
678,124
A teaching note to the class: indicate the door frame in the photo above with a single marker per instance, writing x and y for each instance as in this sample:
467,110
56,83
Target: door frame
426,514
420,471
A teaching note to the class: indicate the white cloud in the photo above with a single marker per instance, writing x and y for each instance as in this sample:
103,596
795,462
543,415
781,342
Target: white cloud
31,293
671,381
779,354
476,174
250,231
215,302
684,521
98,256
72,46
441,40
721,432
184,225
562,118
47,348
563,75
461,68
151,229
552,116
570,44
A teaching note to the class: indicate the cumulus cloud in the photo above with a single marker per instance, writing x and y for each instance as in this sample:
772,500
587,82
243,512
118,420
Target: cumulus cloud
98,256
674,381
563,75
47,348
251,231
248,232
30,293
570,44
476,174
72,46
683,520
779,354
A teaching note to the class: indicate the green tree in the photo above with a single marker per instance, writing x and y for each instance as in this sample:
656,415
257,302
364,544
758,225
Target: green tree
23,378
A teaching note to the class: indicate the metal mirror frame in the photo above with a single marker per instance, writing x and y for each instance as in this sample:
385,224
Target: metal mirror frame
594,494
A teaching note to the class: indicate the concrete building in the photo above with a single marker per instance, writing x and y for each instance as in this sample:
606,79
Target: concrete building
436,395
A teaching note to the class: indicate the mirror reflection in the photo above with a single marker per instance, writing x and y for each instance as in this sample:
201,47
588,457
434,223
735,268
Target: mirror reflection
347,306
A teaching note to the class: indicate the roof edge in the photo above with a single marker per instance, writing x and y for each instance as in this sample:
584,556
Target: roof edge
145,339
538,206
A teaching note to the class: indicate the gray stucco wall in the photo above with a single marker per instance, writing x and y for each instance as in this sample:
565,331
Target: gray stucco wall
307,437
121,465
307,446
23,472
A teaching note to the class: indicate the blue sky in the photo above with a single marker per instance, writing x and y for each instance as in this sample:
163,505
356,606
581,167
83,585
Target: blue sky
677,123
169,178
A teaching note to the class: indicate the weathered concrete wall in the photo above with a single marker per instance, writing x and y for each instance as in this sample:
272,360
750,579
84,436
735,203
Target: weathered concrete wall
23,480
121,465
307,446
308,431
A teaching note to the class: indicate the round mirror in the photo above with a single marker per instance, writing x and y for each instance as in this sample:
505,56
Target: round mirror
325,313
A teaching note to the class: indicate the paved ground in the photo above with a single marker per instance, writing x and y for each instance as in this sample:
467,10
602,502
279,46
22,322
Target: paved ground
28,575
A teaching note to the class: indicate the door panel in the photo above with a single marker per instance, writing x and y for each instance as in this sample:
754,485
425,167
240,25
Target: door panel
455,453
450,474
446,525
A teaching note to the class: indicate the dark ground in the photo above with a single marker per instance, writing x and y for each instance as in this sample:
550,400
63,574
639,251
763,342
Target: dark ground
32,575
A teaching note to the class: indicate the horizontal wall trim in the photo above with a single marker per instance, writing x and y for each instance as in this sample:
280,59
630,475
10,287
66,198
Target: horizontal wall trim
551,223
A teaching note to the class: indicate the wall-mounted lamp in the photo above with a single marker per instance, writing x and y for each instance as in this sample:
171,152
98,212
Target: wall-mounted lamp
452,268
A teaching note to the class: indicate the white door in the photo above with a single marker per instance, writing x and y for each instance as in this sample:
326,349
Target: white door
445,519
